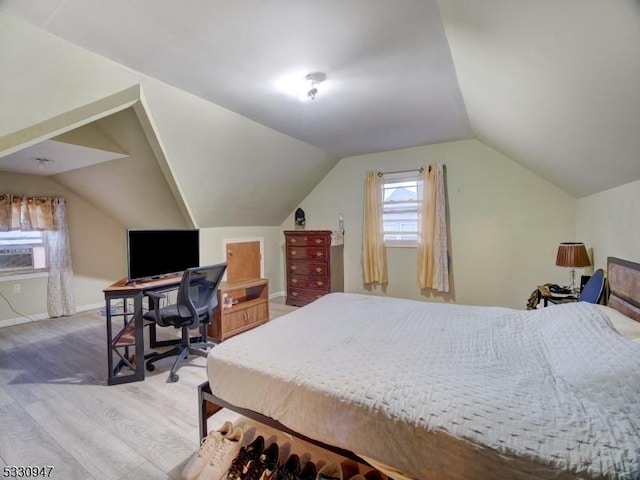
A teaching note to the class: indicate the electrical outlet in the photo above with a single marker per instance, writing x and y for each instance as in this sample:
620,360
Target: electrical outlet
16,288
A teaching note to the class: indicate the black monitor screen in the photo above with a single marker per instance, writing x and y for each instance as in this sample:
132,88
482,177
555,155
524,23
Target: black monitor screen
154,253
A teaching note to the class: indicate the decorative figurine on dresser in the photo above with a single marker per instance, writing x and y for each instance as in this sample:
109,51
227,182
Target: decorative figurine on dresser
314,264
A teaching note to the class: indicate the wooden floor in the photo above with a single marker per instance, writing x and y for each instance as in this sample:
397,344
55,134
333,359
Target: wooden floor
56,409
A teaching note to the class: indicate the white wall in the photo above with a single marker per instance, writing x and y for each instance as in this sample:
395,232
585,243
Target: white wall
505,223
609,222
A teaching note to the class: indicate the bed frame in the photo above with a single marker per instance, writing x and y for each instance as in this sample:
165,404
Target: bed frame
623,295
624,286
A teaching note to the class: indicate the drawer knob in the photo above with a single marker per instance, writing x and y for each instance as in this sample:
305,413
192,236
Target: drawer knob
293,267
294,294
318,240
319,270
319,254
294,252
293,240
294,280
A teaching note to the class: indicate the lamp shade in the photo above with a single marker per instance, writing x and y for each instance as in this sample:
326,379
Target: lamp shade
572,254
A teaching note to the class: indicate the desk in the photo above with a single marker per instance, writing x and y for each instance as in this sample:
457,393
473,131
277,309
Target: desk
130,336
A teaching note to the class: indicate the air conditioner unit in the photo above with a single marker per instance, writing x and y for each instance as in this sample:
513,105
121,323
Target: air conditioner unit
16,258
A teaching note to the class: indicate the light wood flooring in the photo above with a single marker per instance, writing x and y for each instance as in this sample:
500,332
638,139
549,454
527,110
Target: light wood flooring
56,409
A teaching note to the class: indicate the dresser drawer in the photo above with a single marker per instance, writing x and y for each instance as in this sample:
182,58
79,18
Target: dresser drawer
308,282
300,297
310,240
302,267
307,253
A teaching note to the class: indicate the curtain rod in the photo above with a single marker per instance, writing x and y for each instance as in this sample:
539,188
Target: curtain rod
421,169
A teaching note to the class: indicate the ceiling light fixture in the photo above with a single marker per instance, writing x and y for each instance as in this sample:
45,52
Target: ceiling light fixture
313,80
42,162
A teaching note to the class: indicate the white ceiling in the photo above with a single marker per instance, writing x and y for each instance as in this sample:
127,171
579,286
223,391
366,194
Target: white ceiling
52,157
553,85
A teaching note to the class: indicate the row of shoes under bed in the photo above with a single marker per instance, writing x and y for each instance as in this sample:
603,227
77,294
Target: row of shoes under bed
222,457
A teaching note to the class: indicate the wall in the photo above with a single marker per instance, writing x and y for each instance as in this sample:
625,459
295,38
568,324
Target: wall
505,223
608,222
98,250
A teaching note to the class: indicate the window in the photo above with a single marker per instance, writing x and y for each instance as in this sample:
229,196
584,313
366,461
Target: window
22,252
400,209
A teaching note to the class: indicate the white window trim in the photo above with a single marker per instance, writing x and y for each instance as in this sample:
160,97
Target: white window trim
399,177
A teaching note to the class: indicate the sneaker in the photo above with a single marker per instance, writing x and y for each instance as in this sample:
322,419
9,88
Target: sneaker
248,454
263,467
308,472
288,471
209,444
220,461
331,471
373,475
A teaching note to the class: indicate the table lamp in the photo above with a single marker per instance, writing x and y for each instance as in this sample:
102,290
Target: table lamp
573,255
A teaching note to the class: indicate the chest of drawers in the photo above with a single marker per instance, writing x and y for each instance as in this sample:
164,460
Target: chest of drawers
314,266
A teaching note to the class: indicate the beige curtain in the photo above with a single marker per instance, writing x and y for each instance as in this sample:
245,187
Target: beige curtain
26,213
374,255
433,255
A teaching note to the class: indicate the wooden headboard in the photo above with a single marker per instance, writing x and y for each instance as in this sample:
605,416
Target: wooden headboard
624,286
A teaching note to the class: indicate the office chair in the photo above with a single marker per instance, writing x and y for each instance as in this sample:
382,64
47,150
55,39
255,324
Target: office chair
196,300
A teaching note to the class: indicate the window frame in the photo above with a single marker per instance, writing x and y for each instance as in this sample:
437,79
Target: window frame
408,177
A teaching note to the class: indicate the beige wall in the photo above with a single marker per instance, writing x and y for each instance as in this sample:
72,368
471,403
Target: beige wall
98,247
609,222
505,223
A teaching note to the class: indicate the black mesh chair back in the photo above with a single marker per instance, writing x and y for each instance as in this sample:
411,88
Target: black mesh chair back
196,300
197,293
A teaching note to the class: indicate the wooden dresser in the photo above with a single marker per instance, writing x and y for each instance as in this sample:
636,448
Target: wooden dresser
249,308
314,266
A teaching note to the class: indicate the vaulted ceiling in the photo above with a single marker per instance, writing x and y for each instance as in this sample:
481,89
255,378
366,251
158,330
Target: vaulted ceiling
553,85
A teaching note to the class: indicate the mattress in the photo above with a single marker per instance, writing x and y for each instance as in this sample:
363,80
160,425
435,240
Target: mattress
440,391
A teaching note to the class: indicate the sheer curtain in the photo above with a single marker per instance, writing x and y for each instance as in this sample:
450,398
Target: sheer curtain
433,255
47,214
60,296
374,255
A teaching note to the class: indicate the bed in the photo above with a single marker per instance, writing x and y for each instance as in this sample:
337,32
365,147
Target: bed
438,391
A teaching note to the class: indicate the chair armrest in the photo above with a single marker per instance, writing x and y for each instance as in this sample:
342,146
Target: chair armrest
155,295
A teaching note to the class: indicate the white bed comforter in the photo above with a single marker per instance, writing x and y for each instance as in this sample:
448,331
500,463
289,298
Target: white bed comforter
446,391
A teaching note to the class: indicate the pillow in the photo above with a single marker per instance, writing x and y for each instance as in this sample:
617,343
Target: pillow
625,326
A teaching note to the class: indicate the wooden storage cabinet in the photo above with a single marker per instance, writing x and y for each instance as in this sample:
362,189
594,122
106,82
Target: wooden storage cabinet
250,307
314,266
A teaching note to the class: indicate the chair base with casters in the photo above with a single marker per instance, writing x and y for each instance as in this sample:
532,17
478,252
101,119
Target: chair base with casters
193,309
182,351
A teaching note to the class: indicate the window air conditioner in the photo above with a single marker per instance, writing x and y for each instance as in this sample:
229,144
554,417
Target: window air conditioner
16,258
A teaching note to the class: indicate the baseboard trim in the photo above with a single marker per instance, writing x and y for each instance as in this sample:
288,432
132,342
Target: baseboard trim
281,293
35,317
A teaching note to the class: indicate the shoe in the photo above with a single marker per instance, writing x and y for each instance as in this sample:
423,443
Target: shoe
209,444
263,467
248,454
288,471
220,461
373,475
308,472
331,471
